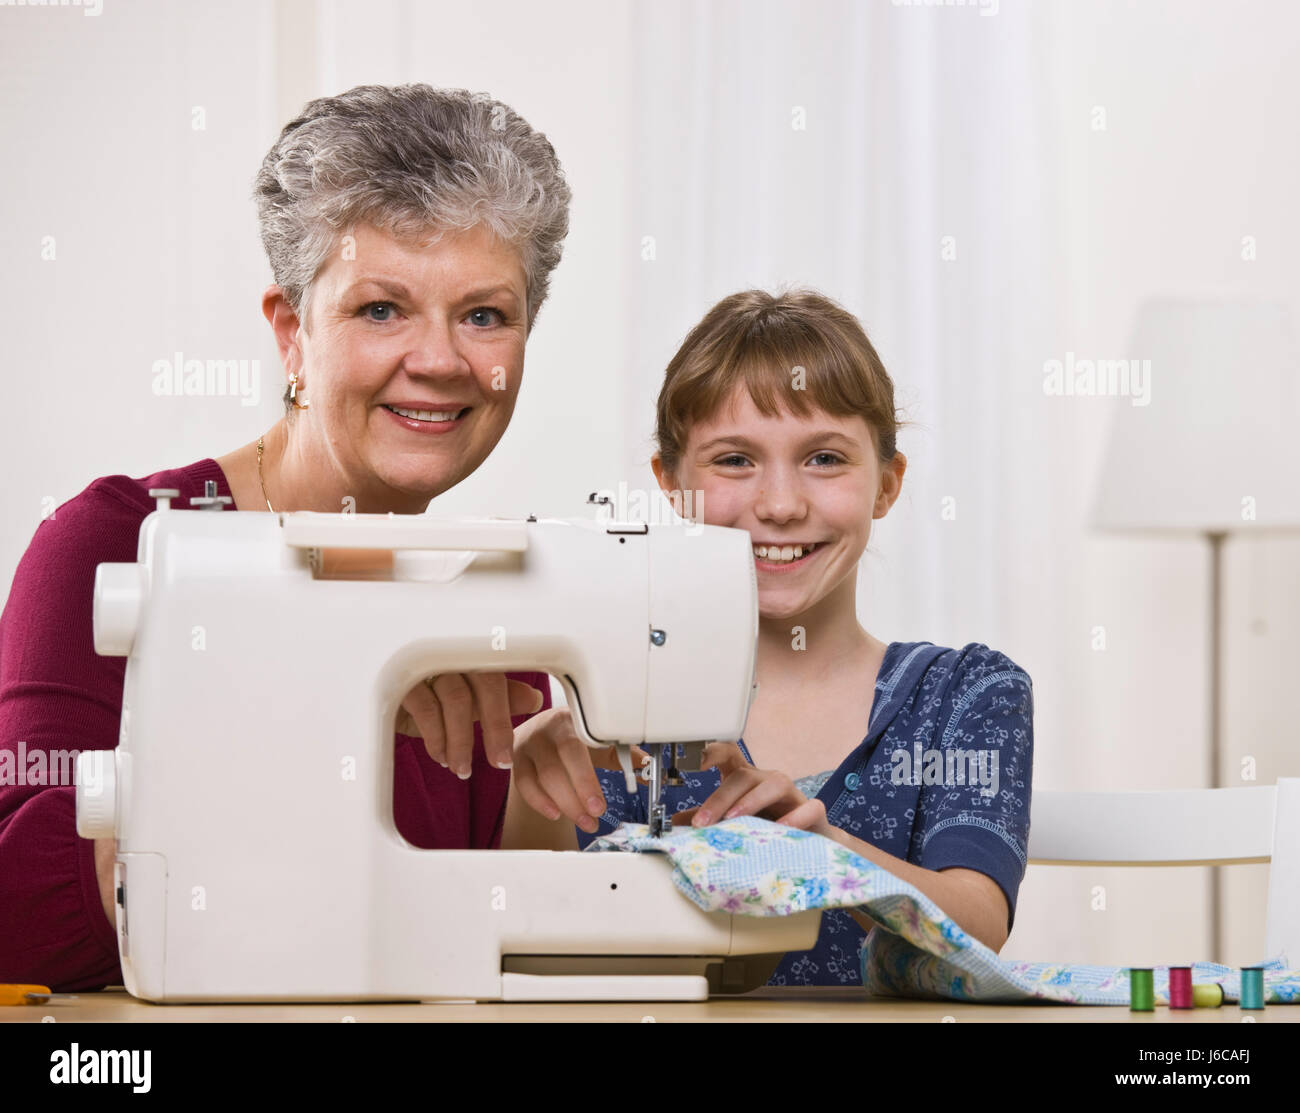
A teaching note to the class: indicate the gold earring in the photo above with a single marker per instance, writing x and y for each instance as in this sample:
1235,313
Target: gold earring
293,394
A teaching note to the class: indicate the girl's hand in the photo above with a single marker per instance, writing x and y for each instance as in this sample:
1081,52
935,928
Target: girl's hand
443,710
748,791
555,770
769,795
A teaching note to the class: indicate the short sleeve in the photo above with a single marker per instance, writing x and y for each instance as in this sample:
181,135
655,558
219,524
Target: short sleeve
973,810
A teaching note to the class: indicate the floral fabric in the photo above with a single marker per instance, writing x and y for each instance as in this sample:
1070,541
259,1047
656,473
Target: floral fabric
752,867
931,706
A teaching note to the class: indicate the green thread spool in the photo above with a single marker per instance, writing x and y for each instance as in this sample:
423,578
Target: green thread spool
1207,996
1142,990
1252,987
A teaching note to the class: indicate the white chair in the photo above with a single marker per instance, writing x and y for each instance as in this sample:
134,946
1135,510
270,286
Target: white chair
1197,827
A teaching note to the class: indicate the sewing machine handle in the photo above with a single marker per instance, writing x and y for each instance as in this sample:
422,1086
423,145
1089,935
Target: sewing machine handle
311,530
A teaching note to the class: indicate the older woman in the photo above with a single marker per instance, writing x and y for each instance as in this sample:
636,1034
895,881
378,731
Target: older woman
411,234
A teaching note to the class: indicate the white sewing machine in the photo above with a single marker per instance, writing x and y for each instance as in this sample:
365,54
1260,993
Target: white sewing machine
251,790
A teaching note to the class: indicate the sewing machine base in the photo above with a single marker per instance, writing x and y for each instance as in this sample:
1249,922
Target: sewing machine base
608,977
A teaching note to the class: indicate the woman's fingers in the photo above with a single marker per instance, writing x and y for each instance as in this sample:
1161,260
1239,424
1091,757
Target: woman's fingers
524,698
492,709
492,700
456,699
683,818
422,707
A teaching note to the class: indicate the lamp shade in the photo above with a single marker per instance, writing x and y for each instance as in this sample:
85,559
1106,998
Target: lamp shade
1215,443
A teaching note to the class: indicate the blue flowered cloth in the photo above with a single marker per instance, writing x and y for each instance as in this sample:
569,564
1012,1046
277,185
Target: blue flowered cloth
754,867
941,779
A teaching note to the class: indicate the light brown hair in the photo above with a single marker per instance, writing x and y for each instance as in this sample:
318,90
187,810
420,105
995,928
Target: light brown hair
760,340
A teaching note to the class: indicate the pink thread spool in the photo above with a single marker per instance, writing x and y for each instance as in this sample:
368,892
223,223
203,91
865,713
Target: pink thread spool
1180,987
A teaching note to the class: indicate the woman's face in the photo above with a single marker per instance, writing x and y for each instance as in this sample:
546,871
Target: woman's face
435,331
790,481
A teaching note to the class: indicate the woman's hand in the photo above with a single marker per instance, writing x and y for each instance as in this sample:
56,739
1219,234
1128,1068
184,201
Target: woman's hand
555,770
443,710
748,791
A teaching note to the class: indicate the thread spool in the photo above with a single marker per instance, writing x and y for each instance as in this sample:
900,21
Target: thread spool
1252,987
1207,996
1142,990
1180,987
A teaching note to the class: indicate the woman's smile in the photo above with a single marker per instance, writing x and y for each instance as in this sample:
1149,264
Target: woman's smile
428,420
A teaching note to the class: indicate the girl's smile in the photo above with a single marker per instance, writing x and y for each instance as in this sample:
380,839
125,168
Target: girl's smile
784,558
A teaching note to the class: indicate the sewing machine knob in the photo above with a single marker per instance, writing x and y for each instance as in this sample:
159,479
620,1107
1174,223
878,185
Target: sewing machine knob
97,794
210,499
658,637
164,495
119,597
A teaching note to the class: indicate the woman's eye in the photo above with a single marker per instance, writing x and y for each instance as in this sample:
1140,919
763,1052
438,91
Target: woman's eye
732,461
386,308
482,312
830,456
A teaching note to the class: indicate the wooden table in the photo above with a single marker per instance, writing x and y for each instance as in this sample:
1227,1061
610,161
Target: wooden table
769,1004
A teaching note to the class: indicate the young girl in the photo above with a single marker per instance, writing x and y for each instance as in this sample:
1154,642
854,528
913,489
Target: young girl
779,412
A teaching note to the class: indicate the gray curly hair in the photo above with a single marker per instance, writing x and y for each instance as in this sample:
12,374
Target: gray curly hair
415,161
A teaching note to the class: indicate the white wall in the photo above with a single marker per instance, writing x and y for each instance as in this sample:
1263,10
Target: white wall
155,240
1199,150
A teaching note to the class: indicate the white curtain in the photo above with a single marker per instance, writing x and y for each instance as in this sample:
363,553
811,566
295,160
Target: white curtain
851,147
899,159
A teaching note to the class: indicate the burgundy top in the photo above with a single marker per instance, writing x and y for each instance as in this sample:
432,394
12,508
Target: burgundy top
57,693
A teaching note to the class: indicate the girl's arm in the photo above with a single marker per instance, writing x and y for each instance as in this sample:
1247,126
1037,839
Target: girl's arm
974,901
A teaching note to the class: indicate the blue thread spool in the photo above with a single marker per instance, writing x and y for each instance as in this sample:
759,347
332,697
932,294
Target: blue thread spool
1252,987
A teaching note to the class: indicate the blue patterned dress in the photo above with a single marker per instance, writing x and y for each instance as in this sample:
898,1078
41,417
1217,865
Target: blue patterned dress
941,780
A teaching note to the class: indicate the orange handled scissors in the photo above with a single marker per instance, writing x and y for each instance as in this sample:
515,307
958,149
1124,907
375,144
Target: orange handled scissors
30,995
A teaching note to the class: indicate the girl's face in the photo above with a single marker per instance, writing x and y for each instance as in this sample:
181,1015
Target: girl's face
437,332
811,482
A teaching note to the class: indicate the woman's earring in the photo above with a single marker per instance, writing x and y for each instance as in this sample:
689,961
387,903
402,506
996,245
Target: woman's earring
293,394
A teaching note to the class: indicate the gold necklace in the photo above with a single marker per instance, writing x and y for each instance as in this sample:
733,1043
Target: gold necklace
259,475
